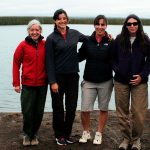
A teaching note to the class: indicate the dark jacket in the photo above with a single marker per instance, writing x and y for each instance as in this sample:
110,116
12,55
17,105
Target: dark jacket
127,64
31,56
97,55
61,54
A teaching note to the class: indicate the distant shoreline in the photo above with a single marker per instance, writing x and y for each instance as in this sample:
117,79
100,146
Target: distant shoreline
23,20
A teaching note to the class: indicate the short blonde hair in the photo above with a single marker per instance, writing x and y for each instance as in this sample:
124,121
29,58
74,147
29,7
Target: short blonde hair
32,22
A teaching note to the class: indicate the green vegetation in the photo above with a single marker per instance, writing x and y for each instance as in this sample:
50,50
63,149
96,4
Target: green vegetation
23,20
10,20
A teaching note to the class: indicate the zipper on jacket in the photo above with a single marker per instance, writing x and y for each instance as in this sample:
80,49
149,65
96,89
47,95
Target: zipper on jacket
36,49
64,38
36,62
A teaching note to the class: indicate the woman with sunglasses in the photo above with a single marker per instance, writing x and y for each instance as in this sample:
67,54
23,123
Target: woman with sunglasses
131,54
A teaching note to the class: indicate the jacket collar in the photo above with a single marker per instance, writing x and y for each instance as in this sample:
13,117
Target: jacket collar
31,41
104,38
56,30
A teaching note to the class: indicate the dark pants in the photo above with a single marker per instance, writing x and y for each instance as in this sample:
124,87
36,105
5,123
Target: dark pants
68,86
32,104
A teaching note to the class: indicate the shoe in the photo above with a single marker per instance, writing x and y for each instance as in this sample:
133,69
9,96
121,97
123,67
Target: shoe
70,140
124,145
61,141
136,145
98,138
85,137
35,141
26,140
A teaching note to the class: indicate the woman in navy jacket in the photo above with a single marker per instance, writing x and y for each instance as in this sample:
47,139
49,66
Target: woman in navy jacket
97,76
131,54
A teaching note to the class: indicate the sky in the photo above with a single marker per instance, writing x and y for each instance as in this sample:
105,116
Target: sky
75,8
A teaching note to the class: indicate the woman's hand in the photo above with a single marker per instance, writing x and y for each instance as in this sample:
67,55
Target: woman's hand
54,87
17,89
137,79
110,37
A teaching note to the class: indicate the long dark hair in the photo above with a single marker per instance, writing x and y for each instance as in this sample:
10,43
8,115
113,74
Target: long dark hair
141,37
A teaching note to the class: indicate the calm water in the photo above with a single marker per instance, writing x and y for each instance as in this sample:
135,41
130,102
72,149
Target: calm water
9,39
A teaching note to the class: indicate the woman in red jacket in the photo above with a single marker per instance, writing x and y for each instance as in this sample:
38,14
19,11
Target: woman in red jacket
30,57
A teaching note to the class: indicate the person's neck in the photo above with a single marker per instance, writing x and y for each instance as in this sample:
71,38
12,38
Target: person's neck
100,35
62,30
133,35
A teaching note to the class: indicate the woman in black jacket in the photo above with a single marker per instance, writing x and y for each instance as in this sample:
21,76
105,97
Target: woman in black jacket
97,78
62,69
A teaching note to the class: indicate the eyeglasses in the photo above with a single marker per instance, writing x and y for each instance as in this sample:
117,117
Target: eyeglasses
132,23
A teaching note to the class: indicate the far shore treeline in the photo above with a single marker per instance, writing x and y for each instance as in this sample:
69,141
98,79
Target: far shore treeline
23,20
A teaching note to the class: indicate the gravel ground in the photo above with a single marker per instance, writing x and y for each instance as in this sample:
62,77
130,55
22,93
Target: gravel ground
11,133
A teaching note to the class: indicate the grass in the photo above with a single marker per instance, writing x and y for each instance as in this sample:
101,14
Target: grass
23,20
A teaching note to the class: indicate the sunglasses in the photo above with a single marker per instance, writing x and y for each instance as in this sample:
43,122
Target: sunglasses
132,23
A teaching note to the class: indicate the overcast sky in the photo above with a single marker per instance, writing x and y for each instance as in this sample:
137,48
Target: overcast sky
75,8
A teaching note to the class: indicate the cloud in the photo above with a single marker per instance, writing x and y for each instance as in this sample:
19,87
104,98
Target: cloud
82,8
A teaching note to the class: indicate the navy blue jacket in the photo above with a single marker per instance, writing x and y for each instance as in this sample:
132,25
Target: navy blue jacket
127,64
61,54
97,55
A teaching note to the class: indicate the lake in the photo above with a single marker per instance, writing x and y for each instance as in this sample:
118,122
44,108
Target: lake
11,36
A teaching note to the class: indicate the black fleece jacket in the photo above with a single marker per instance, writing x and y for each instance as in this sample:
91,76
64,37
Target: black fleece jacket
127,64
97,55
61,54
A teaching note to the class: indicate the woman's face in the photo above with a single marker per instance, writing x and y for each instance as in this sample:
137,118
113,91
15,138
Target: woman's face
132,26
35,31
61,22
100,28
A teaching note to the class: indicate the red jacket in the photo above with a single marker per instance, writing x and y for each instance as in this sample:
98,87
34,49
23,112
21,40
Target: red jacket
31,56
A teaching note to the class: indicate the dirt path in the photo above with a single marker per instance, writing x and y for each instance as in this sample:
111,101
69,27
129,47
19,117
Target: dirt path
11,136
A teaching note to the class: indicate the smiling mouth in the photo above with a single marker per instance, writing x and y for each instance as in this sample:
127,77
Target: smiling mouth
101,31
